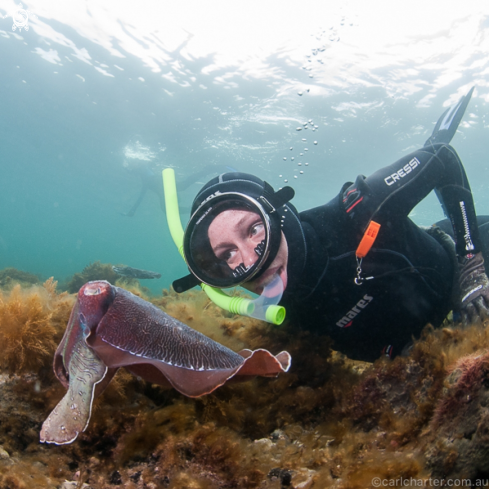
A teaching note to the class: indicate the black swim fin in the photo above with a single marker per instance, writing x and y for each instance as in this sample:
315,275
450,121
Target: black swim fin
448,123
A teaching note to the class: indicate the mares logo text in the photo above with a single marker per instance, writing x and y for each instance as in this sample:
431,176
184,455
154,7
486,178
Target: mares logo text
402,172
346,320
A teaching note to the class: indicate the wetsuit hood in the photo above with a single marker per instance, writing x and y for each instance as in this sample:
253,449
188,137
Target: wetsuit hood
282,214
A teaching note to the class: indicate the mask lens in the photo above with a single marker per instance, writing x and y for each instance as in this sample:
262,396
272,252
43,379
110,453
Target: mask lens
226,243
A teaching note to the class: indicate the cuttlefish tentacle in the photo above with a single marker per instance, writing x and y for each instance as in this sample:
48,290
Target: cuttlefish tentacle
72,414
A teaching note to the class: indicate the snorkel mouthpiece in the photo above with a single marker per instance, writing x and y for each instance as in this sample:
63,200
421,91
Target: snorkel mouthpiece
264,307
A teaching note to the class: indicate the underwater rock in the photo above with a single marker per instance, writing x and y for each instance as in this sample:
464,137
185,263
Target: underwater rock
9,277
111,328
283,475
461,422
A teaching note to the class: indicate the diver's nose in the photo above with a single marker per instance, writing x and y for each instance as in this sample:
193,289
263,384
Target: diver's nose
248,255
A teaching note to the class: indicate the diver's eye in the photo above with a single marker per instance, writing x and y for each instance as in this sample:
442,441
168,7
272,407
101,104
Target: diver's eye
227,255
257,229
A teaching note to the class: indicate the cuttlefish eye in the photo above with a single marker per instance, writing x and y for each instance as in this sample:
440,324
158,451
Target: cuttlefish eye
95,288
92,290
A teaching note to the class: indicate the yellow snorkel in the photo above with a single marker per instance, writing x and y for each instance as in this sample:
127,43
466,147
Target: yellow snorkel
258,308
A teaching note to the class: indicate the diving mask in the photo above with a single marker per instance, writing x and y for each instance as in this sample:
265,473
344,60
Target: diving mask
228,240
233,236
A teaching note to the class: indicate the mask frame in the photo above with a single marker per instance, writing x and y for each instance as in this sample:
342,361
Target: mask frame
201,260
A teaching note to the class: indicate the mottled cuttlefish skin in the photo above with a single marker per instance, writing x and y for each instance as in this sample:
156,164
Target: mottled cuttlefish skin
72,414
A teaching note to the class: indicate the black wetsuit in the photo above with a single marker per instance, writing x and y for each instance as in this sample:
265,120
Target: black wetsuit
408,276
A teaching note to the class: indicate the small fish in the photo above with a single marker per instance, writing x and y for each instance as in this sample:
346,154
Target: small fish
135,272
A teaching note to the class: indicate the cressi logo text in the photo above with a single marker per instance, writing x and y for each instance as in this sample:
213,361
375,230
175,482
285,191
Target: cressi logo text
402,172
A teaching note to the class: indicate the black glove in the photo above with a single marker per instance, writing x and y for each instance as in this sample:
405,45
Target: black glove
474,290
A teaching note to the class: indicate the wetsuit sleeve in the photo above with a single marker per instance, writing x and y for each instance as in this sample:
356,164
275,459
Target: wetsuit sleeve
392,192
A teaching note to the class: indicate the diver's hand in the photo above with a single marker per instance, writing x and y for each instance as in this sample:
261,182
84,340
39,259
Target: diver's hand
474,290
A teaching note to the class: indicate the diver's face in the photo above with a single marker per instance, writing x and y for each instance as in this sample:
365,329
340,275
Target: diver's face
234,236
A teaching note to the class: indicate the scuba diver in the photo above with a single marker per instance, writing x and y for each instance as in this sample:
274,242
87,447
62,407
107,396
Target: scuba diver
356,268
151,180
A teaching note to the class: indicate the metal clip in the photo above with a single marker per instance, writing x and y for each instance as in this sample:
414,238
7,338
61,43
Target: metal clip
358,278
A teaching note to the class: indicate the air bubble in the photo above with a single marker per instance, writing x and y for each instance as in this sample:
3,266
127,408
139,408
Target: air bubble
295,176
304,139
292,159
299,164
305,149
298,128
315,142
301,154
306,164
280,176
291,148
301,172
285,180
300,94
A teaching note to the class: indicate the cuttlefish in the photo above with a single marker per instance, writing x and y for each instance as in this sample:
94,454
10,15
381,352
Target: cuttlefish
130,272
111,328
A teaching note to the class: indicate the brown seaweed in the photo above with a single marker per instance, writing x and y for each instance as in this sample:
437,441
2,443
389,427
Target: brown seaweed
31,323
330,422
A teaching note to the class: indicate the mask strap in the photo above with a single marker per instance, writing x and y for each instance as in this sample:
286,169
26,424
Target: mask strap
272,200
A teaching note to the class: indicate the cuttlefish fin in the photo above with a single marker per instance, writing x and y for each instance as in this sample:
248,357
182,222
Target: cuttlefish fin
261,362
190,383
196,383
72,414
